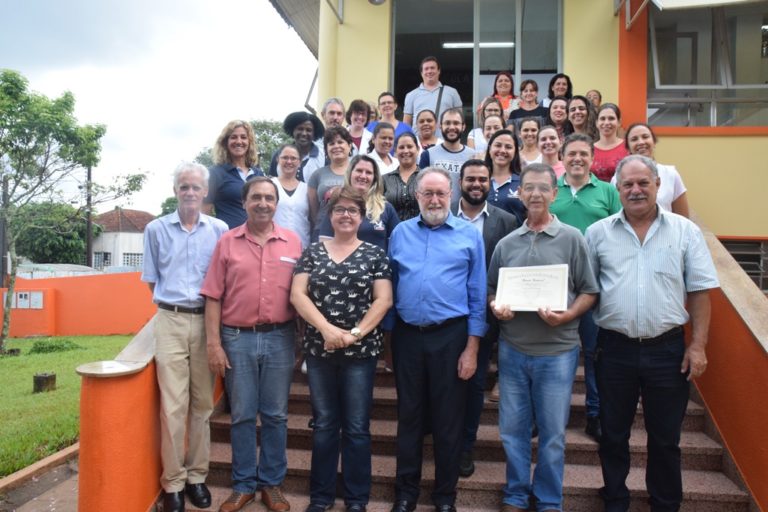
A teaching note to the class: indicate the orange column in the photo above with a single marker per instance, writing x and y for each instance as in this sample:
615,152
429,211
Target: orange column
633,66
119,442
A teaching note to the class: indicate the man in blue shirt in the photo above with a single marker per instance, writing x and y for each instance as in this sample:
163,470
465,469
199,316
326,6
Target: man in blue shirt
177,250
438,268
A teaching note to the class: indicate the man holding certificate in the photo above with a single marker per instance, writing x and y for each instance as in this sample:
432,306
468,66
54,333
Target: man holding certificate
539,283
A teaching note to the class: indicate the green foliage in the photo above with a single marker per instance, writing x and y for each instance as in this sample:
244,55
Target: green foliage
269,137
36,425
48,345
169,205
52,233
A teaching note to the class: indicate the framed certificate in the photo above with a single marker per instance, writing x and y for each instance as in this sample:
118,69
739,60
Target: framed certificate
531,288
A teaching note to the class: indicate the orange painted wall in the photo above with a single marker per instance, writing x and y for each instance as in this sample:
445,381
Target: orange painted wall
85,305
119,443
732,388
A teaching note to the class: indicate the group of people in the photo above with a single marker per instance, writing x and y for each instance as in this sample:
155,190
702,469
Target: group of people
360,240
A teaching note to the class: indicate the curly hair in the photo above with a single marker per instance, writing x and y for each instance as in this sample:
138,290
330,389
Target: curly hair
220,151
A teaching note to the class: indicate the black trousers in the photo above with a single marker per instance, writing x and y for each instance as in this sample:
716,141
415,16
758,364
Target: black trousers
429,393
625,371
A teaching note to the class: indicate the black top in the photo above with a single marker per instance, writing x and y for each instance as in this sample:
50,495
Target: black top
401,195
343,293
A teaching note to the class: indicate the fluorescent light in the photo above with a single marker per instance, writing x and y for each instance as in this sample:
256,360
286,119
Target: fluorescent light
500,44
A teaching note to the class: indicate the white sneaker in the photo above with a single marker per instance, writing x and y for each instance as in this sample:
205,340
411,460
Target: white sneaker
304,367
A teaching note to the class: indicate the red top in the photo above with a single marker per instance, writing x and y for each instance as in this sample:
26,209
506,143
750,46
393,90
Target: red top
606,160
253,282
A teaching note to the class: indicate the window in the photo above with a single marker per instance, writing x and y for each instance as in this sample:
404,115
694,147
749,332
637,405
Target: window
102,259
133,259
708,67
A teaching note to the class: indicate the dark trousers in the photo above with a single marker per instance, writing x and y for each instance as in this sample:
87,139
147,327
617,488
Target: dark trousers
429,391
627,370
476,385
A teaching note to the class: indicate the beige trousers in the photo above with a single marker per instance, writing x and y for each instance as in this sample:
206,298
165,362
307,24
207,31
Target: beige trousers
186,398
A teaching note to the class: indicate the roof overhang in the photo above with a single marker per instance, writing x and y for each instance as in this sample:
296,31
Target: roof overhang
304,17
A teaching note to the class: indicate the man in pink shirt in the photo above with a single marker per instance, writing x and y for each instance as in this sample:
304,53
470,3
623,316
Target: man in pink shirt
249,324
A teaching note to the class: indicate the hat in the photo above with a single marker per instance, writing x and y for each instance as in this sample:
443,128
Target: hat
294,119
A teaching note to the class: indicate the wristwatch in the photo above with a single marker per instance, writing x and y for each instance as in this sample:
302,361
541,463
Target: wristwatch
356,332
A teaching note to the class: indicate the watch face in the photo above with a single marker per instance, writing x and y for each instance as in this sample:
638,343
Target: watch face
355,331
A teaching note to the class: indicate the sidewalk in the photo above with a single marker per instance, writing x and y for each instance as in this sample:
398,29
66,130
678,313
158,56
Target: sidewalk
54,490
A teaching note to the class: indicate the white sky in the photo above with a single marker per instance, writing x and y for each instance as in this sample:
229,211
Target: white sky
164,76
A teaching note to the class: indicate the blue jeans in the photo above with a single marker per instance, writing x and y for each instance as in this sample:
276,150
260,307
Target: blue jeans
258,384
540,387
341,392
628,370
588,335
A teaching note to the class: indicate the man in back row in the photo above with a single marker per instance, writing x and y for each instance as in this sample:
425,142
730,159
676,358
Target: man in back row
430,94
451,154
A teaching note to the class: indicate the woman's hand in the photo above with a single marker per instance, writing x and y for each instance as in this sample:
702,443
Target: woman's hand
333,337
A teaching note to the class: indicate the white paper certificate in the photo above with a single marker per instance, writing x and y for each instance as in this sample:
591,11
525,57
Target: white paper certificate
531,288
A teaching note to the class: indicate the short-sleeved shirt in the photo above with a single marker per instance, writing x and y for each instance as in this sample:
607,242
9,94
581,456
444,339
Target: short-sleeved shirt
324,181
343,293
376,233
516,117
558,243
421,98
401,195
253,282
176,259
451,161
225,186
643,286
594,201
505,196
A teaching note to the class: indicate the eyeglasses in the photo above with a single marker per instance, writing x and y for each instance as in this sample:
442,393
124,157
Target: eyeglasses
429,194
351,211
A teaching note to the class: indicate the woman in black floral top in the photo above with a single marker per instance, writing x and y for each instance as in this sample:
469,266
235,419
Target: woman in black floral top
342,288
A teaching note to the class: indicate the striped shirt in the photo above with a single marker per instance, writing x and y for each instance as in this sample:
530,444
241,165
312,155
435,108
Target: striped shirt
643,286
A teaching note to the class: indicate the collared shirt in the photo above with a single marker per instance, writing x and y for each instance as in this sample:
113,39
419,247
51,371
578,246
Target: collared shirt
558,243
478,220
225,187
505,196
439,273
643,286
594,201
422,98
402,195
253,282
176,259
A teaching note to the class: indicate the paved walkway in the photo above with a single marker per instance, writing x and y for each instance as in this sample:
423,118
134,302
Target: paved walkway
55,490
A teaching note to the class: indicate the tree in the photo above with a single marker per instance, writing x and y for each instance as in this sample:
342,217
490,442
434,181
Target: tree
269,137
43,148
52,233
169,205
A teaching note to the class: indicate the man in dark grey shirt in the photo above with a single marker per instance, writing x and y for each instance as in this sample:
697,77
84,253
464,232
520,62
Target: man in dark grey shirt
539,350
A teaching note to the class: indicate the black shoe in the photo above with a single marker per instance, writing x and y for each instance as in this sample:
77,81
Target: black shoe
356,507
173,502
466,465
593,428
317,507
445,508
403,506
199,495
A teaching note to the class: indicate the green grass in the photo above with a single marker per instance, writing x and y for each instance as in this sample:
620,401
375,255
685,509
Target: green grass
33,426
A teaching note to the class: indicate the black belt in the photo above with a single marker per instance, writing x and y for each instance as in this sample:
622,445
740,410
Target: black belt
435,327
181,309
672,334
260,327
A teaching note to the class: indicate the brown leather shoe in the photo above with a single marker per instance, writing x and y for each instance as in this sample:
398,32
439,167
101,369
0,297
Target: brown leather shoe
274,499
236,501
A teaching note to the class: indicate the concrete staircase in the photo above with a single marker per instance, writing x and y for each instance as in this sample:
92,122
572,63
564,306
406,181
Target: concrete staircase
706,487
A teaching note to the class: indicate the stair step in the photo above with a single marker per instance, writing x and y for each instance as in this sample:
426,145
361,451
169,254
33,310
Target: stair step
705,491
699,451
385,407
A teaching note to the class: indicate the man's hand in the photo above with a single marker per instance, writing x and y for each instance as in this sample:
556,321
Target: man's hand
553,318
695,360
502,312
468,363
217,359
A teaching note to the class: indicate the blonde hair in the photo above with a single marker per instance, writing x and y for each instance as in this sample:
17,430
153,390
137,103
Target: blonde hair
220,152
374,198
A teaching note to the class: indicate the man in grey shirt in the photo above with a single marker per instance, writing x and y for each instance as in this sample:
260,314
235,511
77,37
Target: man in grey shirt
451,154
430,94
539,351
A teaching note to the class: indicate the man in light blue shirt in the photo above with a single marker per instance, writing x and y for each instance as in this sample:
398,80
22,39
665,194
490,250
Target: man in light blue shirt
177,250
438,267
655,273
